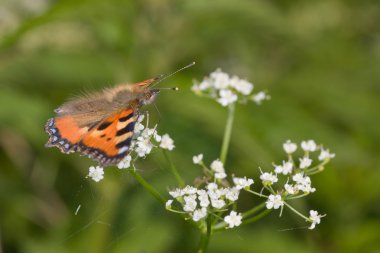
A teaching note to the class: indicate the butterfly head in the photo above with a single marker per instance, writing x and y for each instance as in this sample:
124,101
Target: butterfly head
149,96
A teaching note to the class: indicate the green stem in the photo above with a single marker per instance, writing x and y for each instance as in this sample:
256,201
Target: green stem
256,193
147,186
294,210
205,237
254,210
206,169
316,169
227,133
257,217
298,196
173,169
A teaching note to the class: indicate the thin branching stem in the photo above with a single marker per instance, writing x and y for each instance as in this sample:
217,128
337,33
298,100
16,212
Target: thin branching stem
256,193
256,217
254,210
227,133
294,210
298,196
173,169
146,185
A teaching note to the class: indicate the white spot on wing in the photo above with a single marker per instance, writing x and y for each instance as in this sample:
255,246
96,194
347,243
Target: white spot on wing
123,149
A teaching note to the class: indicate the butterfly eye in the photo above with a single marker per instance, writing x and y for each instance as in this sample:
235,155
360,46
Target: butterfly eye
150,96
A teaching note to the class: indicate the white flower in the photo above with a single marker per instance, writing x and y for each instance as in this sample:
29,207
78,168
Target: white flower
141,118
144,146
260,97
220,192
125,163
167,142
215,193
290,189
242,182
168,203
205,84
298,178
158,138
227,97
274,201
197,159
315,218
303,183
190,203
218,203
199,214
220,175
278,169
227,90
138,127
96,173
203,198
289,147
286,168
198,87
306,188
309,146
189,190
305,162
217,166
232,194
176,193
268,178
233,220
220,79
325,154
212,186
242,86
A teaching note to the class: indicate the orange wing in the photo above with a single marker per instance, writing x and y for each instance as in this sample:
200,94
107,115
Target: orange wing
107,142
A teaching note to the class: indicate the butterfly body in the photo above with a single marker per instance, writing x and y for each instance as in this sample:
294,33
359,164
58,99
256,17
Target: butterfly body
100,125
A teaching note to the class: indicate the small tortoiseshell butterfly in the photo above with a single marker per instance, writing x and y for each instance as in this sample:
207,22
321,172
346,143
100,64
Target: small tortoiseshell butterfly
100,125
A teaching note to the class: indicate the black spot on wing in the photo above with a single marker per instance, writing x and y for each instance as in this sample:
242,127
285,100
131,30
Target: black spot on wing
104,125
128,128
123,119
125,143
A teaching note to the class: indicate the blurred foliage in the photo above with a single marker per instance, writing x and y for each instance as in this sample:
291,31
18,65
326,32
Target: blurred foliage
319,60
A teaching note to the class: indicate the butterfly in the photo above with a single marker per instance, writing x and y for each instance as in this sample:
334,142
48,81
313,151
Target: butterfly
101,124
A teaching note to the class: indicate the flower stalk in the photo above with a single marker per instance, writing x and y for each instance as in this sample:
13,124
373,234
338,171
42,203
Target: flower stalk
227,133
205,237
146,185
173,169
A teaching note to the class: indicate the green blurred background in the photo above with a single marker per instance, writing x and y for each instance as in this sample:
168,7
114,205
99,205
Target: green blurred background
319,60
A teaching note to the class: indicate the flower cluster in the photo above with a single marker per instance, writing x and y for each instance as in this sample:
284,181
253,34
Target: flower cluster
143,142
213,197
288,180
96,173
227,90
296,181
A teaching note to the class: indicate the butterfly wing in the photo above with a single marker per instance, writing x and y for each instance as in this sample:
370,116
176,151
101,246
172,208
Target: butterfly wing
107,141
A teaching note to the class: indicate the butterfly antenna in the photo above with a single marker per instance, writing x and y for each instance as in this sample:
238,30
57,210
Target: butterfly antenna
168,88
162,77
